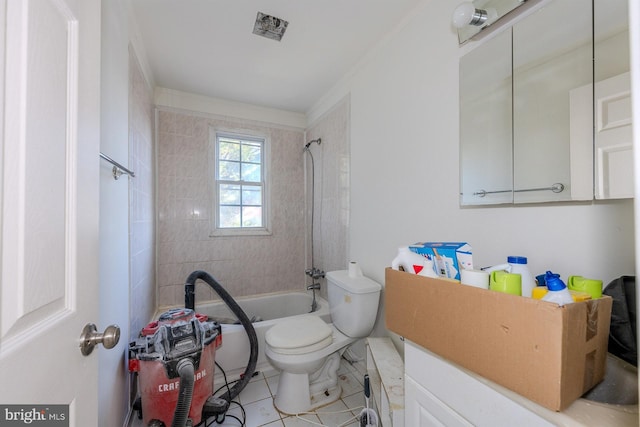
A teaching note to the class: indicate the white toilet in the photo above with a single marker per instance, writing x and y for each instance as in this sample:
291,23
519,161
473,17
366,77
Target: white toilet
308,350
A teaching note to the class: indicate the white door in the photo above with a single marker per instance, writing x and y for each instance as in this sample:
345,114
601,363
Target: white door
49,179
613,138
612,152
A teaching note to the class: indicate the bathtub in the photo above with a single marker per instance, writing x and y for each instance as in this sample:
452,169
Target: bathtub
233,354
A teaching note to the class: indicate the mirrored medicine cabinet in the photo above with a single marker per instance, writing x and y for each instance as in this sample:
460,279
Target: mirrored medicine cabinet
533,125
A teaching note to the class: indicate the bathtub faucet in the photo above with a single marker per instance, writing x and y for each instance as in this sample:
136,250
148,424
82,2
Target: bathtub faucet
314,273
314,287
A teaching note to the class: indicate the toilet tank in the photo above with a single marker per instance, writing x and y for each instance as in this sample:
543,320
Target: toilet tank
353,302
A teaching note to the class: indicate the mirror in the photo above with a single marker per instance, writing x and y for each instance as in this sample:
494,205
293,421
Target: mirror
527,108
485,123
612,99
552,51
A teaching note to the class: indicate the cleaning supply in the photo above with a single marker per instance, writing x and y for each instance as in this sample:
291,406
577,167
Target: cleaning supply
541,291
449,257
368,417
558,291
518,265
413,263
592,286
503,281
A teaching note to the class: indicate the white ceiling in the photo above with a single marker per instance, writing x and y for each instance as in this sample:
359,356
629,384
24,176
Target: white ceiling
207,47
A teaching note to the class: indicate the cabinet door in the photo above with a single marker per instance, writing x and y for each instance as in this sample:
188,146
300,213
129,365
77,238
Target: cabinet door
547,65
438,393
486,170
423,409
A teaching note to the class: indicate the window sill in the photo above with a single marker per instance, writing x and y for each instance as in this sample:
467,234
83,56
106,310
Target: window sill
240,232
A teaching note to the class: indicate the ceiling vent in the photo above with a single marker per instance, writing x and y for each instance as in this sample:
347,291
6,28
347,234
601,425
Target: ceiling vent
269,26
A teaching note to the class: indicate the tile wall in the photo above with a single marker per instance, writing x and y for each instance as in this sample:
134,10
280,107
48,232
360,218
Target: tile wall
141,199
245,265
331,196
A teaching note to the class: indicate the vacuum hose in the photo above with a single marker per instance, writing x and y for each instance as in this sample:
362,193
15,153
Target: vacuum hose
186,372
189,301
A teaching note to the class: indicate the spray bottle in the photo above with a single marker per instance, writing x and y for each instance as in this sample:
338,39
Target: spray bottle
558,291
413,263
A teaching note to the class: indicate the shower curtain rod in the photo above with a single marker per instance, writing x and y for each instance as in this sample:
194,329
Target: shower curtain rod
118,169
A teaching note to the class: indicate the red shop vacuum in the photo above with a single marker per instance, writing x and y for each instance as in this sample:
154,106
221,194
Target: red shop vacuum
174,359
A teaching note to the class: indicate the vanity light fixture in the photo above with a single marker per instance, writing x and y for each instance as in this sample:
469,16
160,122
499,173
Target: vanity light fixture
467,14
474,16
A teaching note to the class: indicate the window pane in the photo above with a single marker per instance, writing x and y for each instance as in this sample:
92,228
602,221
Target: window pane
251,195
240,161
251,172
251,153
229,150
229,216
229,194
229,171
252,216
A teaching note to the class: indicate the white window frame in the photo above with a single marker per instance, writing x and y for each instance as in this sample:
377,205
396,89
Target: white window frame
216,230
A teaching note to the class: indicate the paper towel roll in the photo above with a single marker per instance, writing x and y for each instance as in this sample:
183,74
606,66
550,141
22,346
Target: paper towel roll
354,269
477,278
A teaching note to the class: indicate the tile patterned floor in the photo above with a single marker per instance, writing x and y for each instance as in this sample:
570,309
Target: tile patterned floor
257,401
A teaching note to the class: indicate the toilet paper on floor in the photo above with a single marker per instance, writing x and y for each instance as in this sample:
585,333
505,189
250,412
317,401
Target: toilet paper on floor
354,269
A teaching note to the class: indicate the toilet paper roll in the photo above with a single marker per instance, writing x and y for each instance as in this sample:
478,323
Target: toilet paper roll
477,278
354,269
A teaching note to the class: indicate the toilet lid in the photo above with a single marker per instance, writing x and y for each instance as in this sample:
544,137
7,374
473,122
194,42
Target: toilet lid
299,335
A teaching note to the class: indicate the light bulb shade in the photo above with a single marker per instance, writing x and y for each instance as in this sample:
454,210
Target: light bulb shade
467,14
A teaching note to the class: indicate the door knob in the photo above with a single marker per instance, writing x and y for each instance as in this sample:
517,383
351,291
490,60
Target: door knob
90,337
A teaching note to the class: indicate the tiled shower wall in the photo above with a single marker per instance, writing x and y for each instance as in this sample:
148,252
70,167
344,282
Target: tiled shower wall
244,265
331,189
141,199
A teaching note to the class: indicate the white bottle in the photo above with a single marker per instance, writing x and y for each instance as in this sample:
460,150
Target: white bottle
413,263
518,265
558,291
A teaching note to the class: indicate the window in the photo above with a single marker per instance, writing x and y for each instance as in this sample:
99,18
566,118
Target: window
240,190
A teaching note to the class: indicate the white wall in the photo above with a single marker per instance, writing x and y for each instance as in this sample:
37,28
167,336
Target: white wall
142,264
114,197
118,33
634,25
404,170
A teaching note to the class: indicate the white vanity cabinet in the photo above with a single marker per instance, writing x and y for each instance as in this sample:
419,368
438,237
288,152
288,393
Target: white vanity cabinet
423,409
438,393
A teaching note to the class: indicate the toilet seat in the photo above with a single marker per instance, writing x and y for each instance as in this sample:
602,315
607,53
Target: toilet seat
301,335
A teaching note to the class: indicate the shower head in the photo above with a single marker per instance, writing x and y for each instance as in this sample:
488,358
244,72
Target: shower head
317,141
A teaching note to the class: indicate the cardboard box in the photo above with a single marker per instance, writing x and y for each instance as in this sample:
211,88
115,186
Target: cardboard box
448,257
549,354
